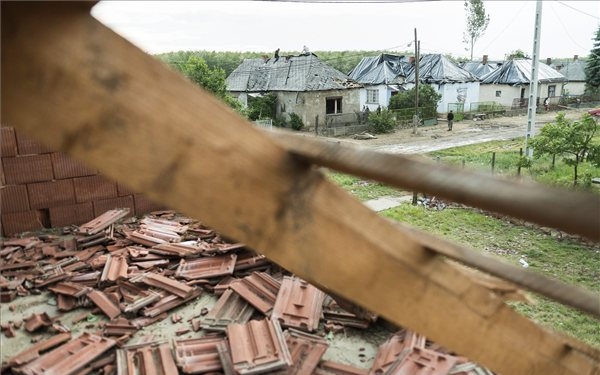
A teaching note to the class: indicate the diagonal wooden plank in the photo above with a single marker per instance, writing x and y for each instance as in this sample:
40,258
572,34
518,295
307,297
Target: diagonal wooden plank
573,211
84,90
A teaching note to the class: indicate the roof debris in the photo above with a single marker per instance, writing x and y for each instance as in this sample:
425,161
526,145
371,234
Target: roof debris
265,320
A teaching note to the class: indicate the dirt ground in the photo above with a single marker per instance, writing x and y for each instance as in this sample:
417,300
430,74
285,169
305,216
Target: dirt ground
437,137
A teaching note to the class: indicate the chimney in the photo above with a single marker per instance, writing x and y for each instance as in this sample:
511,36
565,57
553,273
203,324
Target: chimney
548,61
411,60
575,57
485,59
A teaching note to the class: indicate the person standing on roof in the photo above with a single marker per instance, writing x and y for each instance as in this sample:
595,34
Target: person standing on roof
450,119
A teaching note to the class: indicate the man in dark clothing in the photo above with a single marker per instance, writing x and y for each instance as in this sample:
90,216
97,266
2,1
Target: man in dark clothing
450,118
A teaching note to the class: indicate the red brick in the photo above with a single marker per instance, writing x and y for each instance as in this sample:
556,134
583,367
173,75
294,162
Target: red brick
29,146
94,188
123,190
18,222
75,214
101,206
144,205
8,142
51,194
14,199
26,169
66,167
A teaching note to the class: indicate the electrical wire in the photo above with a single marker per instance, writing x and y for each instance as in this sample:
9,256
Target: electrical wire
578,10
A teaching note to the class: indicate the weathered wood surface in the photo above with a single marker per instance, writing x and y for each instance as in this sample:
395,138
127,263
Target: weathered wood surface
73,83
575,212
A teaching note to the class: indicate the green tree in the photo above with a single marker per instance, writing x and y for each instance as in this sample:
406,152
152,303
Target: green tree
592,68
262,107
382,121
516,54
428,98
296,122
571,139
477,22
211,79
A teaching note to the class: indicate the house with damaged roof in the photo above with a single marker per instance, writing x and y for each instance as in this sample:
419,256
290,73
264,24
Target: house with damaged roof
382,77
574,72
458,87
509,84
304,85
481,68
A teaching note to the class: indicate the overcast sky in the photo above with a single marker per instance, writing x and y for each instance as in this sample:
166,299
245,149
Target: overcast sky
568,27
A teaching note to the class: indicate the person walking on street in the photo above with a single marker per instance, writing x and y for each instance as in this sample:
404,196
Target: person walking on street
450,118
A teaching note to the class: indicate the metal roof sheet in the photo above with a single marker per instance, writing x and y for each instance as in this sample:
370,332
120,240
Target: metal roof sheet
287,73
381,69
515,72
437,68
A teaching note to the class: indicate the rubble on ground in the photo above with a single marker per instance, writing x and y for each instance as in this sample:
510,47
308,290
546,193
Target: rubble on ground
135,273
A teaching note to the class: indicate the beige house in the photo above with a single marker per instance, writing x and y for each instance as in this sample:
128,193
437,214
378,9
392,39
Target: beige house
303,84
508,85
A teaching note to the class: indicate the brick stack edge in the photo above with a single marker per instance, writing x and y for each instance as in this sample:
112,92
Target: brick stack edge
41,188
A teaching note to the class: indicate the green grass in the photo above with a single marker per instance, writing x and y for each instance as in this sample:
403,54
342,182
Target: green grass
567,259
479,157
362,189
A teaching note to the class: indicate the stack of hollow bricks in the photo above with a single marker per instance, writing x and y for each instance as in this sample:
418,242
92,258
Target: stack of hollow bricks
46,189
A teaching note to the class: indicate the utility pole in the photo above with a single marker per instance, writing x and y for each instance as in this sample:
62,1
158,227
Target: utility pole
533,85
416,116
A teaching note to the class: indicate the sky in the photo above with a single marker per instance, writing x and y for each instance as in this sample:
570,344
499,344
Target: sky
568,27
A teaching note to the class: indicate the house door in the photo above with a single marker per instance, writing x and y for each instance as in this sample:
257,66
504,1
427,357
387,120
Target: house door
551,91
333,105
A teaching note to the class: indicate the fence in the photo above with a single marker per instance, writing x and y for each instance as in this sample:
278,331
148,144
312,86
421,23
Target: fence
265,124
404,117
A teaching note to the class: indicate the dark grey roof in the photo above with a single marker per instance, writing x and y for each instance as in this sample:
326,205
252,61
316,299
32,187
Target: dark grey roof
518,71
382,69
479,69
291,73
437,68
574,71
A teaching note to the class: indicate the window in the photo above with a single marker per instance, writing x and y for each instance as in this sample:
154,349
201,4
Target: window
333,105
551,91
498,93
373,96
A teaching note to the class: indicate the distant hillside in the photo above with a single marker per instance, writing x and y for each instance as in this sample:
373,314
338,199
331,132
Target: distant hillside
344,61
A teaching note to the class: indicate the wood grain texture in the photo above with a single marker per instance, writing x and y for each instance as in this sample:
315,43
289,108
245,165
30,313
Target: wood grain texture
575,212
82,89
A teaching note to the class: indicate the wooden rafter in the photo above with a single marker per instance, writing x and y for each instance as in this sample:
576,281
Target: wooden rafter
73,83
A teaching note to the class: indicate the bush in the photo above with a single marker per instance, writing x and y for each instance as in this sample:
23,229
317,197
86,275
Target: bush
296,122
382,122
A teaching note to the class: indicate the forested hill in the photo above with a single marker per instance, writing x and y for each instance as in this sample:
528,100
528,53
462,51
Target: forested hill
344,61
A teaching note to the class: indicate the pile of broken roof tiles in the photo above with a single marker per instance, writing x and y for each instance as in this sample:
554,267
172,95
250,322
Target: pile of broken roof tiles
265,320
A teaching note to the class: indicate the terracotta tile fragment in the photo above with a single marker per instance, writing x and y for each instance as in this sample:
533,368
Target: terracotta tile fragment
198,356
104,303
34,351
37,321
147,359
298,304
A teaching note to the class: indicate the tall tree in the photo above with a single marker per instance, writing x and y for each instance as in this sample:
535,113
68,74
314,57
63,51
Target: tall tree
477,22
592,68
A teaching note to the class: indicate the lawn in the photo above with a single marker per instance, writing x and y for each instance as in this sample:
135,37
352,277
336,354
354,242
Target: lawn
559,256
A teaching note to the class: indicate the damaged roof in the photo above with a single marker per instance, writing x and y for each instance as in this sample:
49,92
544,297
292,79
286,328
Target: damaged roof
479,69
574,71
287,73
382,69
518,71
437,68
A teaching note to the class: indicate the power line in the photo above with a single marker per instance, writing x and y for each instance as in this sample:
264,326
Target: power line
507,26
578,10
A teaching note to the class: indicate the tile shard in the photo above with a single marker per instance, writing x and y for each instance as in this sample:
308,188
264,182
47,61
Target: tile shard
258,347
107,306
162,282
198,356
259,289
151,359
103,221
70,357
306,351
230,308
421,361
34,351
298,305
205,268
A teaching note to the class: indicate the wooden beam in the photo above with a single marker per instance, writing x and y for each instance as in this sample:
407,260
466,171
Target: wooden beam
73,83
573,211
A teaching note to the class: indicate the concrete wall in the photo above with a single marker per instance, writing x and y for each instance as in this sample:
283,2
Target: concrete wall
310,104
41,188
487,92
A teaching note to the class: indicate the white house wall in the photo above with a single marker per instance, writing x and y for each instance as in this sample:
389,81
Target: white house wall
487,92
469,91
385,93
573,88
